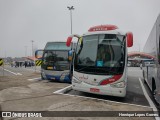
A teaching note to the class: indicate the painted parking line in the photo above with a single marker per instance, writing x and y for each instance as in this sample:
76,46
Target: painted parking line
13,72
34,79
63,90
10,71
148,98
19,74
68,88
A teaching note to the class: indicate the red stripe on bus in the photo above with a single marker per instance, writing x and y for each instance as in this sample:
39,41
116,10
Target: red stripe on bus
111,80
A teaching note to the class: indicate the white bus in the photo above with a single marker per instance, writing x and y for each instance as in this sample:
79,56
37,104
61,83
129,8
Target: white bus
151,68
56,65
100,61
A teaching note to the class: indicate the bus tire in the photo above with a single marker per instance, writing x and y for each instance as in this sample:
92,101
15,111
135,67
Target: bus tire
144,78
42,77
154,89
153,86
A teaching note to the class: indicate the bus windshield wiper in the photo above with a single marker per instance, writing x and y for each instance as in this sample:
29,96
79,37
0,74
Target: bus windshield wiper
114,72
108,71
82,68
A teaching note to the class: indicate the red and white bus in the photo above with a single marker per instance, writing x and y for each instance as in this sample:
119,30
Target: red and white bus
100,61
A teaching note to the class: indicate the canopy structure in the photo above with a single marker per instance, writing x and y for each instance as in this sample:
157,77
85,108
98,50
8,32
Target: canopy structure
139,55
31,58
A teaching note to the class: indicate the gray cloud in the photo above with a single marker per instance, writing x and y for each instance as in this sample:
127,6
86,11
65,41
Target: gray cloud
48,20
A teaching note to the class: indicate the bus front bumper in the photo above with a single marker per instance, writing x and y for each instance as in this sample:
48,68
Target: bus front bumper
101,90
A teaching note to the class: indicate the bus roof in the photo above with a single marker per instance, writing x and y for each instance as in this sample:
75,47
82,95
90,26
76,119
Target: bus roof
104,29
60,45
116,31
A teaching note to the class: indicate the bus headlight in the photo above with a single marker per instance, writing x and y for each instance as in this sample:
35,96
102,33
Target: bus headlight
119,85
43,75
65,73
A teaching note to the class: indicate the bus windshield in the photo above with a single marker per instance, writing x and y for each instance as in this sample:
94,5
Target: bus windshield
56,46
55,60
100,54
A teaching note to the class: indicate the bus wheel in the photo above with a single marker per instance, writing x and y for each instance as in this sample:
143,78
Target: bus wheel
144,78
154,89
42,77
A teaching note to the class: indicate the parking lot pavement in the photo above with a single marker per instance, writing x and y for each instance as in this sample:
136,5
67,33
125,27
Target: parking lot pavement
5,72
11,71
17,93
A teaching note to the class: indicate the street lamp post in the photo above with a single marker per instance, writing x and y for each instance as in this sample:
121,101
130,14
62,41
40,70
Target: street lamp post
32,48
33,55
71,8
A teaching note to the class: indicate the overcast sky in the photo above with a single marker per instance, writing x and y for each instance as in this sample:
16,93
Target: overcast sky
49,20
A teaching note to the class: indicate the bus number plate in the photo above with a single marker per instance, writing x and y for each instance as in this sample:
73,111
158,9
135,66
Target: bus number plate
94,90
50,68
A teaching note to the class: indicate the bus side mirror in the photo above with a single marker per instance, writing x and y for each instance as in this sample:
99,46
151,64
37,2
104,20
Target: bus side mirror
129,39
70,54
39,54
69,40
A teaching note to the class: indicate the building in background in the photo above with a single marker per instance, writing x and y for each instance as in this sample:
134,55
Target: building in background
136,58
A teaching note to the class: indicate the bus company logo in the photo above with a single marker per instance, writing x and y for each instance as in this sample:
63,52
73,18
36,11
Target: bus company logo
21,114
100,29
83,77
111,79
